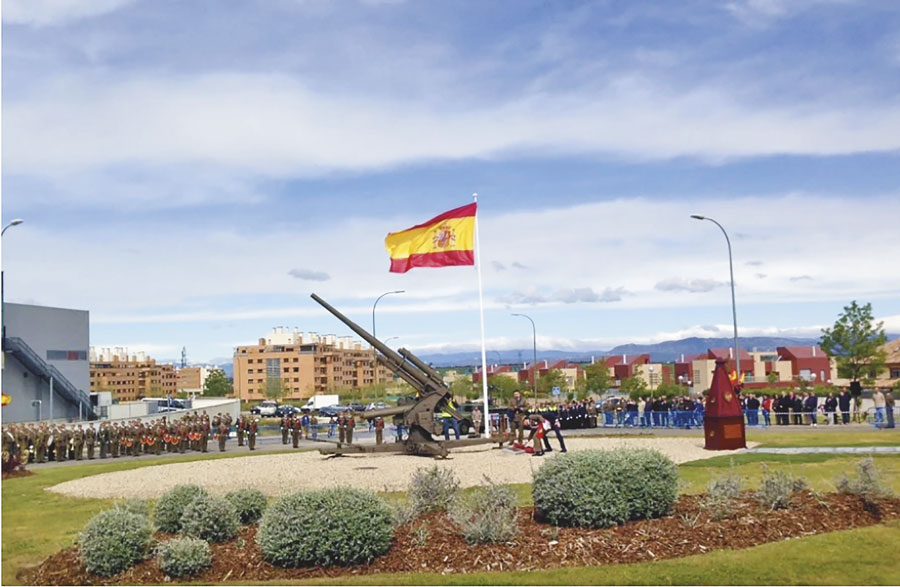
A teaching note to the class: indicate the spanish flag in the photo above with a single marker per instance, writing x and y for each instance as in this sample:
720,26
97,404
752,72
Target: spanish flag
447,239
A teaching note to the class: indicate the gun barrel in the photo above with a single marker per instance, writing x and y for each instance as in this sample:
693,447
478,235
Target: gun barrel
423,366
395,360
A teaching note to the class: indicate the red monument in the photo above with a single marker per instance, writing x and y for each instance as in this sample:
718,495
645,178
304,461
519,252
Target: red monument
723,422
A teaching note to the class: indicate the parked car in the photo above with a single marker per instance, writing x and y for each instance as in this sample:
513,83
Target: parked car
376,406
265,408
286,410
357,407
329,411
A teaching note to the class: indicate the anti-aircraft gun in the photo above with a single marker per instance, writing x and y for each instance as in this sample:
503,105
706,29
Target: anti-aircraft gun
432,395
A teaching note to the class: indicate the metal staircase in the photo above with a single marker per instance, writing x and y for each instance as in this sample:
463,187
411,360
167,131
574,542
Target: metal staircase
23,353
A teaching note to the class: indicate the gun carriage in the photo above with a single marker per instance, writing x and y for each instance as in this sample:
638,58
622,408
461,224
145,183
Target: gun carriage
418,417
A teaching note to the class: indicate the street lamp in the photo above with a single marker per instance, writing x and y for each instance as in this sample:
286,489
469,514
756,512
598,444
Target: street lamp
737,350
15,222
390,338
534,364
387,293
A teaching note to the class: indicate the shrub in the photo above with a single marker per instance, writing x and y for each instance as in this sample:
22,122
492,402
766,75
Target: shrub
720,495
777,488
403,513
487,515
114,540
432,489
135,506
210,518
337,526
868,482
170,507
597,489
249,504
183,557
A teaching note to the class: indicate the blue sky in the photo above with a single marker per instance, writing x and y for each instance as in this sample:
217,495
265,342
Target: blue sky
190,171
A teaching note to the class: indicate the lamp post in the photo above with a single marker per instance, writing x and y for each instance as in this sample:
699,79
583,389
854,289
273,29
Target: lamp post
737,350
387,293
534,363
15,222
390,338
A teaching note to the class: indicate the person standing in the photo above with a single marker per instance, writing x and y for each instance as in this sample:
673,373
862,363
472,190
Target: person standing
517,407
314,425
878,399
205,429
304,425
844,404
342,431
349,424
240,430
831,403
295,432
889,408
449,420
251,437
40,449
476,420
62,444
379,430
222,435
285,428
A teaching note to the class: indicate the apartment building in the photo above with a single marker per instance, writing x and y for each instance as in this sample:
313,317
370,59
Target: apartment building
192,379
130,377
303,365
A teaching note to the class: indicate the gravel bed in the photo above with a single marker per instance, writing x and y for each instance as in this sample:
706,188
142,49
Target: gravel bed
285,473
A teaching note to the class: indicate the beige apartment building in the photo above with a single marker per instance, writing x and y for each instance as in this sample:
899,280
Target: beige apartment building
192,379
304,365
130,377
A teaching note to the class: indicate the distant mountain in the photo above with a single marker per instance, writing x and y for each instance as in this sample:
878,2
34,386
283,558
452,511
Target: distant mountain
663,352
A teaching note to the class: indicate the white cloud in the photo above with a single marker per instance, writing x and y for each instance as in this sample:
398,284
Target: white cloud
274,126
692,285
309,275
56,12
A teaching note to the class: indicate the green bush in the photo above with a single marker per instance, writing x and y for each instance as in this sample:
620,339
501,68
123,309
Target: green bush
487,515
170,507
114,540
432,489
597,489
249,504
210,518
337,526
135,506
720,495
183,557
777,488
868,483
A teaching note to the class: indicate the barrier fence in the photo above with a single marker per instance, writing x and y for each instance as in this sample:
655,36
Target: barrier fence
877,417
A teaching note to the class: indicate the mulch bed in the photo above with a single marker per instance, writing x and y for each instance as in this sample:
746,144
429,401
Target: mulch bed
539,546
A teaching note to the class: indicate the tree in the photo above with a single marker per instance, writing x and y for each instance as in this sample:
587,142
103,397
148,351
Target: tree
502,387
275,388
462,387
635,387
217,384
597,378
855,342
549,380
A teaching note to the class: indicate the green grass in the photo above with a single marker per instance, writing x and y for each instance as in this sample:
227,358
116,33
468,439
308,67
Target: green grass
805,438
37,523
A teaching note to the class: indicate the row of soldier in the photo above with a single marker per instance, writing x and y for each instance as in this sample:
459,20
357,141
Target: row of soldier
48,441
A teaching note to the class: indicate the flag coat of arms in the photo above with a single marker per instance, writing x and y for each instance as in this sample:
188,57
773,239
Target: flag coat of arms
445,240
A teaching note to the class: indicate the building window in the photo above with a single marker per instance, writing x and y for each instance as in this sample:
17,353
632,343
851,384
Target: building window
895,372
273,368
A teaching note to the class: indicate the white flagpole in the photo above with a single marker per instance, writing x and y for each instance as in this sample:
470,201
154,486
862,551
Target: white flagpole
484,382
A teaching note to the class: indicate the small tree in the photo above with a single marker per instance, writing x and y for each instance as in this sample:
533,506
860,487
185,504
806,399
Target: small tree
549,380
502,387
275,388
462,387
855,342
217,384
635,387
596,378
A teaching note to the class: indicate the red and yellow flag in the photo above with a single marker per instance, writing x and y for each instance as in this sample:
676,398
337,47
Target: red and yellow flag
447,239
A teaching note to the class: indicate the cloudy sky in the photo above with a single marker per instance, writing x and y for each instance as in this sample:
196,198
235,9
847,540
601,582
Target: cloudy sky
189,172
